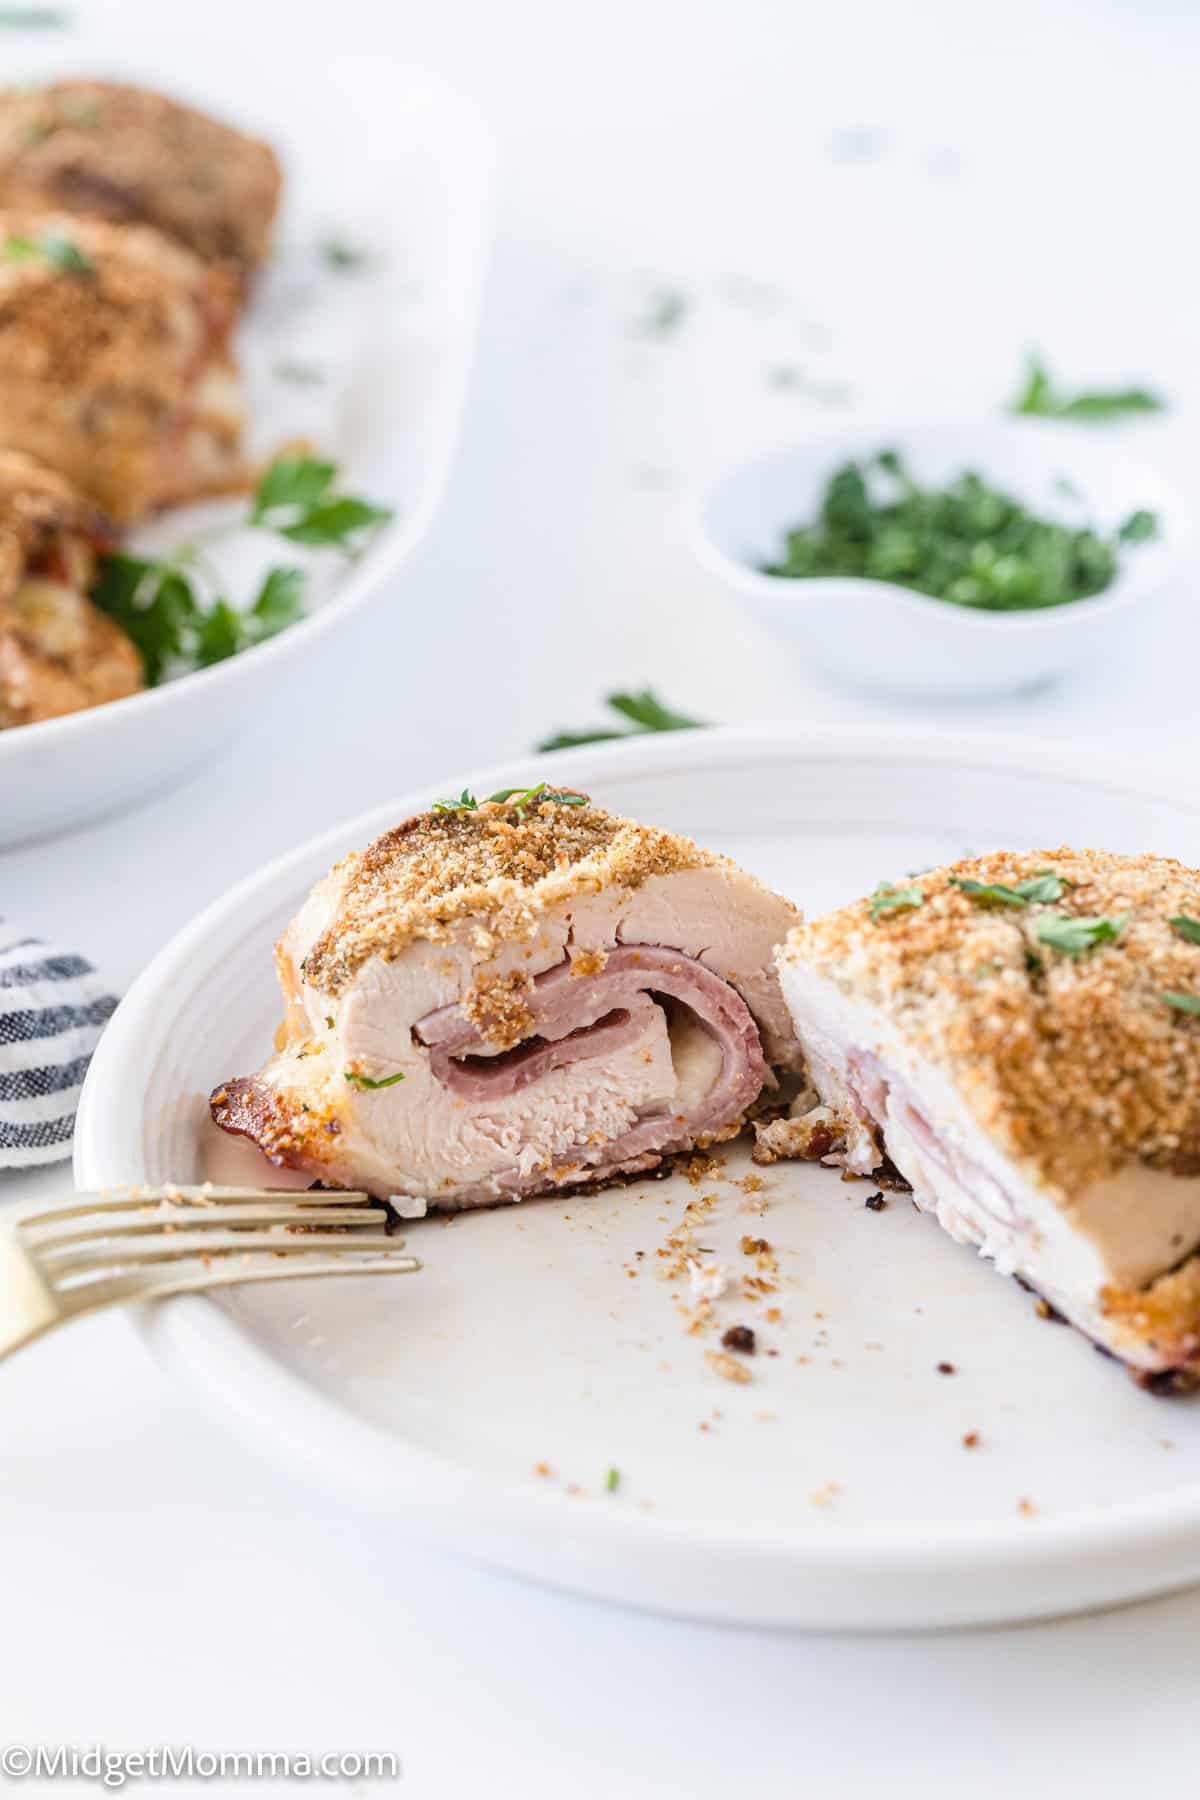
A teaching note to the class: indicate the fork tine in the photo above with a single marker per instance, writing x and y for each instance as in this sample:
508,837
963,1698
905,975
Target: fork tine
238,1218
146,1199
126,1288
71,1262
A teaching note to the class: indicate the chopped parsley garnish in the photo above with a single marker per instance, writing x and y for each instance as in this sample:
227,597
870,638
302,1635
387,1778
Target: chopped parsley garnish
644,712
365,1081
1073,934
1184,1003
889,899
1035,889
1040,396
612,1481
51,247
517,798
1187,928
968,542
173,607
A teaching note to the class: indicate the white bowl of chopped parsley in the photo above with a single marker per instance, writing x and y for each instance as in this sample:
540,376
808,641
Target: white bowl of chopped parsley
948,559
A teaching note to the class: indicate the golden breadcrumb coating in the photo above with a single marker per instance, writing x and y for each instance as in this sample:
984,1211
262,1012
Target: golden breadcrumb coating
1074,1065
487,865
37,508
101,366
135,157
58,652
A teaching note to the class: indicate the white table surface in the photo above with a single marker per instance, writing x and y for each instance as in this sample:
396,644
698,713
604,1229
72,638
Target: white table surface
1030,181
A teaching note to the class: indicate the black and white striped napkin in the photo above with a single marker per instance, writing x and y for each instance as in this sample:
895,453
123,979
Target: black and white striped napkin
53,1007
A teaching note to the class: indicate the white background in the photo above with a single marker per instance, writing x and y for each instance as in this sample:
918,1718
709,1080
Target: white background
1030,180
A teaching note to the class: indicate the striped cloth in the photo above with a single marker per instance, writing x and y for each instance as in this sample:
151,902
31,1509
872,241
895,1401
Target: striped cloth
53,1007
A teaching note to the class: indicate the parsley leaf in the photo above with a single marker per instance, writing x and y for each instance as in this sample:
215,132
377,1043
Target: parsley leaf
295,498
1186,927
1073,934
644,711
889,899
466,802
1043,886
365,1081
1039,396
153,604
1184,1003
1139,528
51,247
612,1481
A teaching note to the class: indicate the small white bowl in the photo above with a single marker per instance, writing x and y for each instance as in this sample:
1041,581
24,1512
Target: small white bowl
881,636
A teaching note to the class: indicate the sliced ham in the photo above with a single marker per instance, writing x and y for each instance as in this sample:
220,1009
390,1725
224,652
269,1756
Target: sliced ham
486,1005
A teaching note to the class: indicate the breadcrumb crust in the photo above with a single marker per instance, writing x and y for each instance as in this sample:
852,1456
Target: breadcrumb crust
488,865
1074,1066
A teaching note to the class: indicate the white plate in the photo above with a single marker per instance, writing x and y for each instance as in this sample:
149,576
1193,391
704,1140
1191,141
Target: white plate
411,182
832,1490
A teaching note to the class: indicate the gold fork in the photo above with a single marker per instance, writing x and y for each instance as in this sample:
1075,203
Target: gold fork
145,1243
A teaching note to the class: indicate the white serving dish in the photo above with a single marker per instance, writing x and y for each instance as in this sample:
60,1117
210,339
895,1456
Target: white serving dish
412,180
877,635
429,1402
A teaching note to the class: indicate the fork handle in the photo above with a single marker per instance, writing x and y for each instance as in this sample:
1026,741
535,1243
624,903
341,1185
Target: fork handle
27,1306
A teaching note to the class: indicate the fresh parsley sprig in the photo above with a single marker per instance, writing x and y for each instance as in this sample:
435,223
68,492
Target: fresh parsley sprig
173,607
518,799
1074,935
1039,396
644,712
889,899
298,498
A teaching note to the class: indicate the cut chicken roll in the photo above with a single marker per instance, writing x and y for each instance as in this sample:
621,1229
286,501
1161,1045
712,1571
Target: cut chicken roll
115,367
139,158
507,999
1019,1037
58,652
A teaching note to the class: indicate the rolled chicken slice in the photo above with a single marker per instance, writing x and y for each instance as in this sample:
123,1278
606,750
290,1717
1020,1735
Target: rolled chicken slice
1017,1038
134,157
115,362
517,997
58,652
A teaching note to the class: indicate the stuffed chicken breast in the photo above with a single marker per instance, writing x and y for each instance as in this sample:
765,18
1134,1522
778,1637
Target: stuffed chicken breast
501,1000
1020,1037
134,157
58,652
115,366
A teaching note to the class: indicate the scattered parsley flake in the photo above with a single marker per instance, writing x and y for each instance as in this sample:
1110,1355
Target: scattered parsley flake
612,1481
365,1081
1074,935
1187,928
643,712
347,258
1184,1003
666,312
1040,397
889,899
51,247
